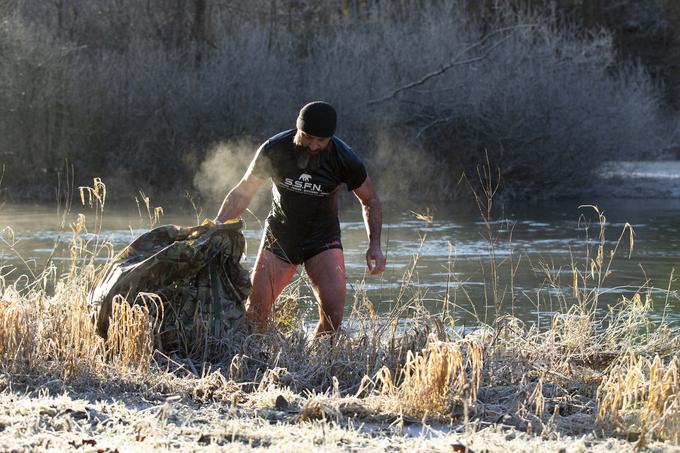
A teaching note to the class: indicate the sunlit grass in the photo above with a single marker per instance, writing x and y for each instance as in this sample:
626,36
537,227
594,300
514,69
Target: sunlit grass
643,394
615,367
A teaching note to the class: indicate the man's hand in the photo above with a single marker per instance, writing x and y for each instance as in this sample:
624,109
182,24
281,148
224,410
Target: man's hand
373,221
217,221
375,260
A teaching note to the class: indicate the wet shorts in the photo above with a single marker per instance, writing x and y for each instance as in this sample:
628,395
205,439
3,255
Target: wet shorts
297,252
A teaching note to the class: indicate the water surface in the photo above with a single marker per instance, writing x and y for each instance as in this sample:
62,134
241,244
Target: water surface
446,262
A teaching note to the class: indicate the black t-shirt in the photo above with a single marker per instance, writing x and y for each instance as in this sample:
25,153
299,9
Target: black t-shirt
305,186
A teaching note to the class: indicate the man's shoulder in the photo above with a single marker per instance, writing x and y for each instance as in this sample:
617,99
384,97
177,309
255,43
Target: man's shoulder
340,144
284,138
350,165
343,149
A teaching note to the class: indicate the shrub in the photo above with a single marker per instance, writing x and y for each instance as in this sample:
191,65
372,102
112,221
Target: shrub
141,92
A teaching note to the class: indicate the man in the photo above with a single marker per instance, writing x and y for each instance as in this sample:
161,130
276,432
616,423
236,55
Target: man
307,165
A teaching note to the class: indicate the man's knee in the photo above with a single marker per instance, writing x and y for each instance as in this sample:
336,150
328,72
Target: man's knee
333,312
260,301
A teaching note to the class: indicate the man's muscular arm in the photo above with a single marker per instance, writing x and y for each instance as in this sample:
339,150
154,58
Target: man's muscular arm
238,198
373,220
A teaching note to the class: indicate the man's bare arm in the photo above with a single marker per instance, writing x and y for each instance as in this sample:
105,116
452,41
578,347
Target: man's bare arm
373,220
238,198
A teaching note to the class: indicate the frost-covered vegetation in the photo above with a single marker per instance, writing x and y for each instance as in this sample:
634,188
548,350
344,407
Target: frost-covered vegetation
141,91
591,377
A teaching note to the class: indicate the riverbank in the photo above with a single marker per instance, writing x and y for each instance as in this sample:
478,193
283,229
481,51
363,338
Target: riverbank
615,179
587,383
639,179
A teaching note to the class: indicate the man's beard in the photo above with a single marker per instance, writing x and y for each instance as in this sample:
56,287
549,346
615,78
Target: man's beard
305,149
307,159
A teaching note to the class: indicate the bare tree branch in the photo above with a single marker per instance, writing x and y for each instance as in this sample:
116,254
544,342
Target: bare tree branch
455,62
431,125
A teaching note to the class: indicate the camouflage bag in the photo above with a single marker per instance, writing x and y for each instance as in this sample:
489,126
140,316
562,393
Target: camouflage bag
195,271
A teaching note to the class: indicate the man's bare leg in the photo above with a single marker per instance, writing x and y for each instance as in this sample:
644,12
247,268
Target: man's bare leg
327,273
270,276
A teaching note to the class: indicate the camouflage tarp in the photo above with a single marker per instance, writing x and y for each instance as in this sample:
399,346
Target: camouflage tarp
196,273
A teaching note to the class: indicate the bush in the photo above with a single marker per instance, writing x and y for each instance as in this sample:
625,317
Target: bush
139,93
546,106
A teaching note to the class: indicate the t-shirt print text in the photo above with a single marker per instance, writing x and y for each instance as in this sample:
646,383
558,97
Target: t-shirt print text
303,184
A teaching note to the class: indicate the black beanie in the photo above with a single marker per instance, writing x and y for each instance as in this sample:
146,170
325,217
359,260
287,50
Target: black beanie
317,119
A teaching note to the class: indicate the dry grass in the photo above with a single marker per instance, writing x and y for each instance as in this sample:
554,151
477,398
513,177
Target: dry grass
642,395
130,338
408,365
52,335
442,376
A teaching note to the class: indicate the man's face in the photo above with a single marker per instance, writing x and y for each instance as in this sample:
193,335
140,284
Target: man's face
309,143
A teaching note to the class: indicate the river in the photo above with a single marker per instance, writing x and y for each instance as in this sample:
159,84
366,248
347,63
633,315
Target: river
446,261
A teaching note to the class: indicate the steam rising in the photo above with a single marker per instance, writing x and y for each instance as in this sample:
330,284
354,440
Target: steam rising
223,168
402,172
